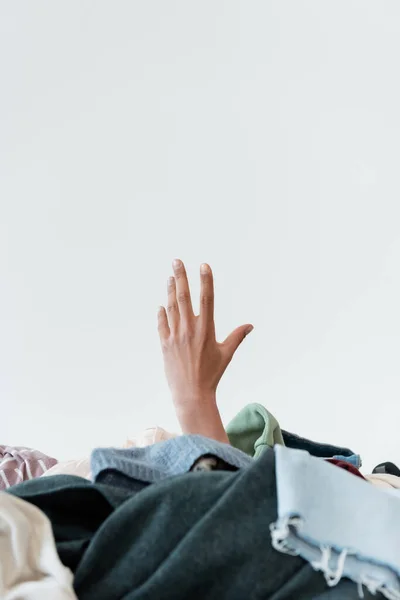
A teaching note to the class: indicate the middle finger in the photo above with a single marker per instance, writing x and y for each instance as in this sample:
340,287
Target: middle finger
182,291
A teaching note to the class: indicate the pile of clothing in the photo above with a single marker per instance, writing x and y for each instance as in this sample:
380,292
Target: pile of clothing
272,515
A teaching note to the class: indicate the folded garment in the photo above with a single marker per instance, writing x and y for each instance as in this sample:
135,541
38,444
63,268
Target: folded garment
255,429
384,480
30,568
201,535
341,525
164,459
19,464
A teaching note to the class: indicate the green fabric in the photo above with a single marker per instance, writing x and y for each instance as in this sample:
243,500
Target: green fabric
254,429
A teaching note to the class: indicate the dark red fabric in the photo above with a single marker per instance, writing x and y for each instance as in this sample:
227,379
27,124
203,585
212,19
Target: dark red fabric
346,466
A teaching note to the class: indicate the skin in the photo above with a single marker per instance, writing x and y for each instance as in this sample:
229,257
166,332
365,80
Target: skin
194,361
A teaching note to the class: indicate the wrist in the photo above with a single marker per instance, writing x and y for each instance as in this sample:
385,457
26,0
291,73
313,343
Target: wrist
200,415
192,402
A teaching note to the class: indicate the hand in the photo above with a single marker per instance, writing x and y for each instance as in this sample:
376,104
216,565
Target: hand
194,361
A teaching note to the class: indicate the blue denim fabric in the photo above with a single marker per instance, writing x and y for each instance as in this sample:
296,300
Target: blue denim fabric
342,525
291,440
353,459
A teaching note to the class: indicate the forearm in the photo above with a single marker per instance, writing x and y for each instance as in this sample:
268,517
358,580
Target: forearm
201,416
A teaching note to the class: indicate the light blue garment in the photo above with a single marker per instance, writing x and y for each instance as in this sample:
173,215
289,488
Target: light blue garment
353,459
164,459
340,524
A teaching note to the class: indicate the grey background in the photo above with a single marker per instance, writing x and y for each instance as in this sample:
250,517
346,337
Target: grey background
262,137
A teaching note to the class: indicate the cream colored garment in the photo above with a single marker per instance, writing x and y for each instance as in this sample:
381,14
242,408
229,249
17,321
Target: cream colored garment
30,568
384,480
81,467
149,436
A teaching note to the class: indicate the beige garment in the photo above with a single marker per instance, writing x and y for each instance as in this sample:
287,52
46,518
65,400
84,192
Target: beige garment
384,480
30,568
81,467
149,436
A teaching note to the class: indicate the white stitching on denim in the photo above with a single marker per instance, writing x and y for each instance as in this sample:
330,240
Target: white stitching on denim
332,577
279,534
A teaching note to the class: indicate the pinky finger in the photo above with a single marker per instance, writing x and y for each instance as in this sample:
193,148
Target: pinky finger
163,327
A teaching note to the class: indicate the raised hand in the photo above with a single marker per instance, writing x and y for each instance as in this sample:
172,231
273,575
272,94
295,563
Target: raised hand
194,361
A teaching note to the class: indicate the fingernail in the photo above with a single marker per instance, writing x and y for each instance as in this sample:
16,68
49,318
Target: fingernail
171,281
176,263
204,268
249,329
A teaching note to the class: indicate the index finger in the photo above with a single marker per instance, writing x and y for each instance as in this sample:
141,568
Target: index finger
207,295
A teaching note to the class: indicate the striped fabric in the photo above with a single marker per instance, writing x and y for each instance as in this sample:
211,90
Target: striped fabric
17,464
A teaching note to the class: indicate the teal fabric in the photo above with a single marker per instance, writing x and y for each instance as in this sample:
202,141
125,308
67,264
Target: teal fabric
197,536
254,429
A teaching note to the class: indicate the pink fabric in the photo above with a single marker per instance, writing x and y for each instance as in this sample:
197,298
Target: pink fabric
17,464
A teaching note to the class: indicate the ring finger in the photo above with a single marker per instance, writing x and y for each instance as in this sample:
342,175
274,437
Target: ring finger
172,305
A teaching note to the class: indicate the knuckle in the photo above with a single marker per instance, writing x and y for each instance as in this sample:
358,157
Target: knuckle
161,326
164,346
183,298
171,308
184,340
186,335
206,300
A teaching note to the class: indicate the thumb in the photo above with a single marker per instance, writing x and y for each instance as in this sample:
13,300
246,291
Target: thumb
235,338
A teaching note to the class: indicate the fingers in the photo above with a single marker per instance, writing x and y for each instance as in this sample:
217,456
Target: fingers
163,327
234,339
179,305
172,305
207,295
182,291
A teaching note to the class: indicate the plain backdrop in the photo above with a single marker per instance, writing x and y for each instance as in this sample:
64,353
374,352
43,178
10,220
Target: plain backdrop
259,136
